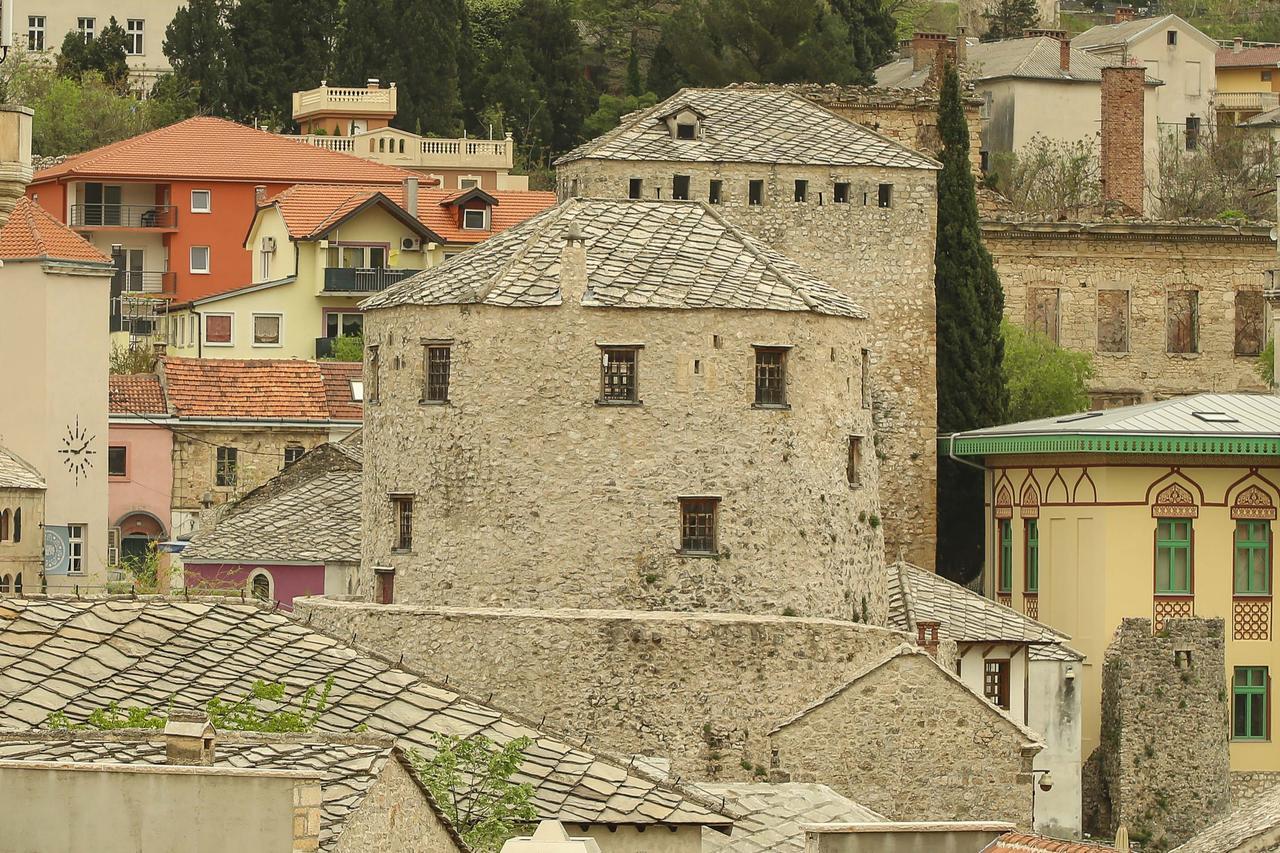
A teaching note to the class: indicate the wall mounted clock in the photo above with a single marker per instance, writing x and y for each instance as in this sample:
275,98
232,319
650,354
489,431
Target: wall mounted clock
75,450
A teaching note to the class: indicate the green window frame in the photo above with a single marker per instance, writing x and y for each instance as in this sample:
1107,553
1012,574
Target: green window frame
1250,698
1173,556
1006,555
1032,531
1253,558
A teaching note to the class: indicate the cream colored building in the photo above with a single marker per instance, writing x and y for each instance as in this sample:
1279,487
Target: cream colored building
21,524
56,287
41,25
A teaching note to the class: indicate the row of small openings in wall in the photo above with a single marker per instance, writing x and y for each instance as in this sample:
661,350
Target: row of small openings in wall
841,192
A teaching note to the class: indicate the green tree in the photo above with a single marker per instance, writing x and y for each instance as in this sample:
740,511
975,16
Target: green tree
871,33
277,47
103,54
348,348
197,43
1008,19
368,42
612,108
971,386
665,76
428,47
470,778
1042,378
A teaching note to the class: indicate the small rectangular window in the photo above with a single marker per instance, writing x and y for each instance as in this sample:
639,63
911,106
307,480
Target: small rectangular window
1113,321
680,187
292,453
1005,532
1251,331
133,34
266,330
374,377
619,382
475,219
226,467
686,131
1266,76
403,505
200,260
35,32
1253,558
995,682
201,201
841,193
755,192
698,517
438,361
635,188
1172,37
866,379
1182,321
885,196
85,27
853,470
218,329
1250,692
771,376
1031,530
1173,556
1193,133
117,461
802,190
713,192
75,549
1042,311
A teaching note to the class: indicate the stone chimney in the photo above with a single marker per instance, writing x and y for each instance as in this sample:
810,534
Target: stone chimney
1237,44
924,47
259,195
159,347
15,156
411,196
189,738
573,264
962,45
550,837
1123,120
1123,13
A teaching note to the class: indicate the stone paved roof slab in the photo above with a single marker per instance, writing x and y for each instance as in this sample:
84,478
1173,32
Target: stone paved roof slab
772,813
1254,826
16,473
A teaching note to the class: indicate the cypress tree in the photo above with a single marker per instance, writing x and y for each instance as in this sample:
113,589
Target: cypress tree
196,43
277,47
367,42
971,387
426,67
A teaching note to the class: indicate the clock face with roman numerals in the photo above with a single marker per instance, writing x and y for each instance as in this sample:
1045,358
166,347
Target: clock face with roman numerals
75,450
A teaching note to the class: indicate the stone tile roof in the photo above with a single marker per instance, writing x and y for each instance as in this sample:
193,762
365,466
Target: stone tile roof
1021,842
33,233
749,126
1255,826
1250,57
136,394
77,656
15,473
771,815
291,519
917,594
252,389
1271,118
1036,58
211,148
349,764
640,254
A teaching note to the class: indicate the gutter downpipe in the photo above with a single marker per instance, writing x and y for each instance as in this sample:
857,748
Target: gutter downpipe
951,453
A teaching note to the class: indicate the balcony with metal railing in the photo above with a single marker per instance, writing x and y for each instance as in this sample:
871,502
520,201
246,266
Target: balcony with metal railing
137,315
147,281
162,217
363,279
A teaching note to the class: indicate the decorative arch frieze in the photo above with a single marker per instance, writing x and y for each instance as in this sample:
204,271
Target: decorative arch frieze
1084,491
1004,502
1056,492
1175,501
1030,502
1253,503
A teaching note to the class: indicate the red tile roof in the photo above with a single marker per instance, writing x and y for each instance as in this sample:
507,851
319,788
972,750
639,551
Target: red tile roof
291,390
307,208
137,394
32,232
1250,57
337,377
1021,842
209,148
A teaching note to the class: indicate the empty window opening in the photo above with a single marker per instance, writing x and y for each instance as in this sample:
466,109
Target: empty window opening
1113,321
1182,321
697,367
1251,330
1171,37
680,187
635,188
853,465
1042,311
841,194
713,192
885,196
802,190
866,379
686,131
716,342
755,192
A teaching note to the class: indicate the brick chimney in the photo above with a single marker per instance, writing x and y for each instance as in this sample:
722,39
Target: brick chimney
189,738
259,195
1123,120
927,636
1123,13
924,46
1064,44
962,45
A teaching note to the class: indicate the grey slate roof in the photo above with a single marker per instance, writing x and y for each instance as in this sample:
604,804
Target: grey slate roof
916,595
17,474
749,126
348,765
1127,32
1253,827
1255,415
771,815
77,656
1036,58
1271,118
640,254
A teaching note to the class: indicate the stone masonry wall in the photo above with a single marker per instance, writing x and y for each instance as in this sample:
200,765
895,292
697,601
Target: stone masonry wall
880,256
1164,765
261,457
909,741
529,493
1218,264
1247,784
395,815
700,689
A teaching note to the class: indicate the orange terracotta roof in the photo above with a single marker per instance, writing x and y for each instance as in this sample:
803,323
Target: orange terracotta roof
337,376
1022,842
1250,57
308,208
32,232
137,394
212,148
292,390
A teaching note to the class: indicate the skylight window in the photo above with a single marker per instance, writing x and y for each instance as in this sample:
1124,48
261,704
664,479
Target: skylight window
1216,417
357,390
1080,417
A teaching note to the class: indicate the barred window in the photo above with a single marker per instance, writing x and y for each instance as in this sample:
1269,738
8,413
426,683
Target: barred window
438,358
698,525
403,506
226,464
771,376
618,375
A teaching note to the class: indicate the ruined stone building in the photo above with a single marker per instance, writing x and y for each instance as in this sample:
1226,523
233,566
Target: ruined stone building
853,207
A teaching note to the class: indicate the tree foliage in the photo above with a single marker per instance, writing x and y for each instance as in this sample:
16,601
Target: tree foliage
103,54
1043,379
612,108
1008,19
971,386
197,44
277,47
470,778
1229,175
1050,178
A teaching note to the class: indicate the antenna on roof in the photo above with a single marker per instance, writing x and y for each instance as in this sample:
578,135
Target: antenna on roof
6,28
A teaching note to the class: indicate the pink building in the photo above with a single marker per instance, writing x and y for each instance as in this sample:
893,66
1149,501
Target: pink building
139,464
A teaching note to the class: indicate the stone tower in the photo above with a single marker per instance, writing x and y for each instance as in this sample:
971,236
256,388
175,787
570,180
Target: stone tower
853,207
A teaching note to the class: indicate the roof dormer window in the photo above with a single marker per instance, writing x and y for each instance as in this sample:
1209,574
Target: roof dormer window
683,123
475,218
686,130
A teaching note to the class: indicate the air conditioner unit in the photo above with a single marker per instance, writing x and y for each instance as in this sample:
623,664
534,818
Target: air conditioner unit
268,244
411,244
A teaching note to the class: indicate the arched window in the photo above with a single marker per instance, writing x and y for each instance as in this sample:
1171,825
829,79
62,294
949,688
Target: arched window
260,586
401,146
382,146
17,583
4,583
4,526
17,525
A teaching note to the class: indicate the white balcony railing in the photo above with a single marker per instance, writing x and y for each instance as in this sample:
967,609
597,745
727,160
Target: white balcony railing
396,148
350,101
1247,101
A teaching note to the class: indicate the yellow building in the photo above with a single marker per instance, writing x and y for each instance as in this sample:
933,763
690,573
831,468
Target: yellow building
1248,80
1160,510
319,249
